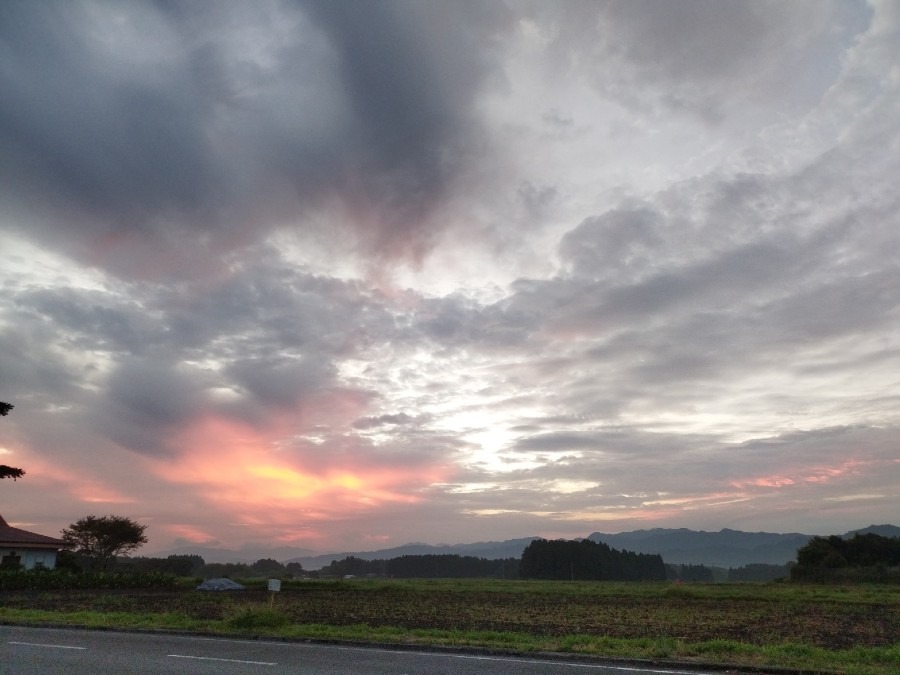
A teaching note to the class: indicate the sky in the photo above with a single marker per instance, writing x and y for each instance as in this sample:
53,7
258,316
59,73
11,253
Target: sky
348,275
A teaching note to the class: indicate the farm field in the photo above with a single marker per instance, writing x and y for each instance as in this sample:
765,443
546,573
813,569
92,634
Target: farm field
852,629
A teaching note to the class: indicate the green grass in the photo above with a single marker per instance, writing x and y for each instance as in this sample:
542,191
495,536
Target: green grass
90,619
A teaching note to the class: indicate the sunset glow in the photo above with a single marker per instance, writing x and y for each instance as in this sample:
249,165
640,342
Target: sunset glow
472,272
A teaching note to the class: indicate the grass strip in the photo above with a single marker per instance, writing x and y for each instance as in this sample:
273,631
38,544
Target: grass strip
263,621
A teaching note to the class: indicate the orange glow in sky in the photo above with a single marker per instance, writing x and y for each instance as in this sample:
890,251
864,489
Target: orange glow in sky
189,532
243,472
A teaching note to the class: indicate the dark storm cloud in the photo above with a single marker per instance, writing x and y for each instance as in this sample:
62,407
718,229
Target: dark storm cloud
183,130
410,71
74,127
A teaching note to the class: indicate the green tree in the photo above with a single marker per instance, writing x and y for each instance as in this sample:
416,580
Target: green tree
103,538
266,566
8,471
294,569
588,560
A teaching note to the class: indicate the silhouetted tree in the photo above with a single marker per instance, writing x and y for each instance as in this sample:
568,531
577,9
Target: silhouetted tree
8,471
103,538
179,565
183,565
294,569
266,566
760,572
351,565
690,573
450,566
828,558
426,566
228,570
588,560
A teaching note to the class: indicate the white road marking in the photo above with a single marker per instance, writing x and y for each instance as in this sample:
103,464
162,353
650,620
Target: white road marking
570,664
38,644
474,657
211,658
518,659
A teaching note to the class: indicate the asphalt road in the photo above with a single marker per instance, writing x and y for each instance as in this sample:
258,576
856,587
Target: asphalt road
47,651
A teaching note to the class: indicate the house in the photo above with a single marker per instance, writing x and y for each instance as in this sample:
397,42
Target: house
20,548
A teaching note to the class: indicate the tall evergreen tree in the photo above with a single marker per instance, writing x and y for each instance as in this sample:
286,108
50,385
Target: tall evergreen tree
9,471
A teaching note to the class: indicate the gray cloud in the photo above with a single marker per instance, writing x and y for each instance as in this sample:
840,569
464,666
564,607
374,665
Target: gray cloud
145,402
396,419
213,210
706,58
211,137
278,381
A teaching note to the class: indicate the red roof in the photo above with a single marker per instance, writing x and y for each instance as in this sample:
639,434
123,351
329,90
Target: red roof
13,536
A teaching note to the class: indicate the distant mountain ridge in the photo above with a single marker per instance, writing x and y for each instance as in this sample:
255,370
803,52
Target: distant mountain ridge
492,550
681,546
725,548
883,530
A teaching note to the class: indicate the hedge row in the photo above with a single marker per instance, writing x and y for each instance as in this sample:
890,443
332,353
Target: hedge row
16,580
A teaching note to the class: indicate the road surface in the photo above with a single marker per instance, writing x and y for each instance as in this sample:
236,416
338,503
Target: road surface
47,651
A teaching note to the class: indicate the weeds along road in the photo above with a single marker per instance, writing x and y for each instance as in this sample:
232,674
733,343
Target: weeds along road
47,651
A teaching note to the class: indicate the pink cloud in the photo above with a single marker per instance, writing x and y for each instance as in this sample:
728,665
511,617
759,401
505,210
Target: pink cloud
804,476
190,532
243,474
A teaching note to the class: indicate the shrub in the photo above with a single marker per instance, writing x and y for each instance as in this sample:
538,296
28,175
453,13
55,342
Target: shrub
14,580
250,618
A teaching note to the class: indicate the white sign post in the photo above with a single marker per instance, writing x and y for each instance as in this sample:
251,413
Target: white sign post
274,587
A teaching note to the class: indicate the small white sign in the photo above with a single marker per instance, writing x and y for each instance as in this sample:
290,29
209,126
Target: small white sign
274,585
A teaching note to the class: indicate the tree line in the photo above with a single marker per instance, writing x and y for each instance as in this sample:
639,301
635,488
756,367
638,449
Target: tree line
864,557
425,566
587,560
711,574
195,566
102,544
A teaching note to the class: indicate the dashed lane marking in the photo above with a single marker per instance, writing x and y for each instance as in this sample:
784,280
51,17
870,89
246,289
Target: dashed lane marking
212,658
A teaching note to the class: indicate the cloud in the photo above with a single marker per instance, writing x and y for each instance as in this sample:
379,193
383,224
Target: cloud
512,269
709,59
145,402
384,420
279,382
166,136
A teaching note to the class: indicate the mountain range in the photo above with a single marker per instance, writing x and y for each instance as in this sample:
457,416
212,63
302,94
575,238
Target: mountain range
725,548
